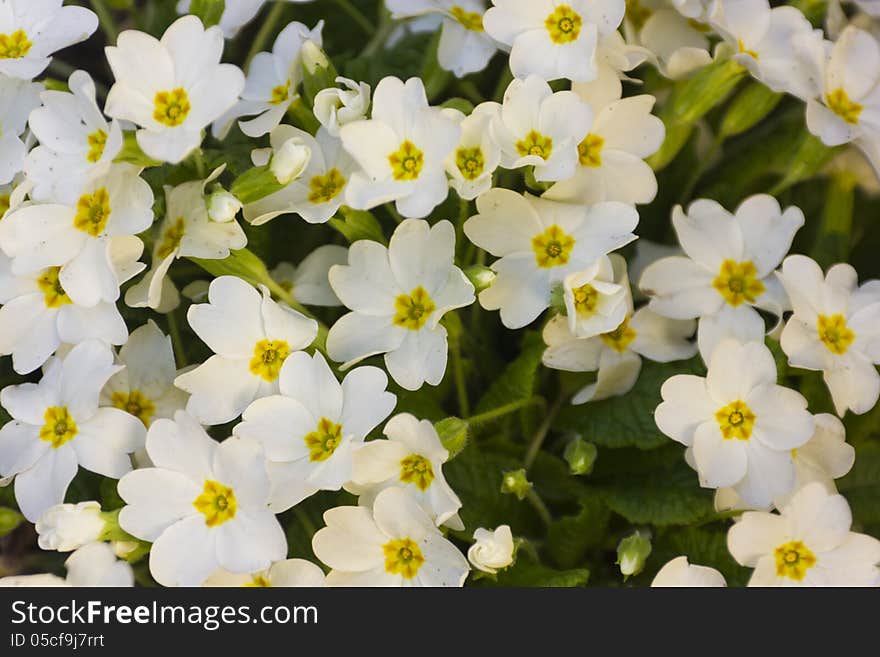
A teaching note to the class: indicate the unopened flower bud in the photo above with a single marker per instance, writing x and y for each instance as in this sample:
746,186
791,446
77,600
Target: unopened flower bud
580,456
313,57
480,277
290,160
223,206
515,482
632,553
491,551
66,527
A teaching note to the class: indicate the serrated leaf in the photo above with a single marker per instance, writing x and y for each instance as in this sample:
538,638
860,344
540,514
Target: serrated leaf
569,538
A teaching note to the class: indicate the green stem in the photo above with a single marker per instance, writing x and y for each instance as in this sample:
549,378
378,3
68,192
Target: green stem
460,381
541,433
105,18
176,339
358,17
198,159
700,168
501,411
266,30
305,521
539,506
380,35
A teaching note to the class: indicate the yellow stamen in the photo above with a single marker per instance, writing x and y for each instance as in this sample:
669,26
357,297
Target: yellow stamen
564,25
407,162
470,19
135,403
590,151
327,187
97,141
620,338
59,427
416,469
217,503
535,143
93,212
171,107
413,310
736,420
834,333
50,285
15,45
553,247
171,238
324,440
793,560
403,557
269,356
470,162
839,103
738,282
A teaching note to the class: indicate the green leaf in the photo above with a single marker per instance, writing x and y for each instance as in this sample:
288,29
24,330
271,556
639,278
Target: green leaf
358,225
9,520
210,11
463,105
254,184
861,486
453,432
131,152
748,107
517,382
569,538
628,420
835,229
242,263
525,572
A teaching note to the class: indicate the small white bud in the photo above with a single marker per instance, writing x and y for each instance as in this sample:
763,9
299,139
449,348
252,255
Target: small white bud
491,551
336,107
290,160
223,206
313,57
66,527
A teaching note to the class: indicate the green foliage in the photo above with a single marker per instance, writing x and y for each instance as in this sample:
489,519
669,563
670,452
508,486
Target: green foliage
358,225
518,381
210,11
526,572
9,520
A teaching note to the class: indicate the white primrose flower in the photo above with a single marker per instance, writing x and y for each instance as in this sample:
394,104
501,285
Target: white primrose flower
287,573
539,243
398,295
808,544
204,505
679,42
552,39
31,31
187,230
595,300
614,57
536,127
728,268
145,387
222,206
172,88
492,550
401,149
67,527
336,107
763,40
272,83
57,425
318,190
824,458
835,329
17,99
94,564
678,573
251,336
739,426
611,157
236,13
412,458
76,141
394,544
77,234
309,282
37,315
311,429
471,165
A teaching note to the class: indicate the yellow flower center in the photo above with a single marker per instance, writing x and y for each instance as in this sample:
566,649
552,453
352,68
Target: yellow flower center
135,403
171,238
590,151
552,247
324,440
620,338
738,282
280,93
840,104
564,25
50,285
742,48
407,162
470,19
834,333
92,212
470,162
97,141
416,469
59,427
535,143
217,503
324,189
4,204
269,356
413,310
736,420
171,107
793,560
586,298
403,557
258,582
15,45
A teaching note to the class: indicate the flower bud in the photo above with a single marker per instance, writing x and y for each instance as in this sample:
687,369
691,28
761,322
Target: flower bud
480,277
491,551
632,553
66,527
313,57
515,482
223,206
580,456
290,160
335,107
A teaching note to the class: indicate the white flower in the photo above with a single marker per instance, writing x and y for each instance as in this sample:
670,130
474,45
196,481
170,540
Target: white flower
611,157
76,141
204,505
44,579
808,544
395,544
678,40
539,243
553,39
310,430
236,13
96,564
251,336
287,573
398,296
492,550
17,99
317,191
412,458
66,527
309,282
288,159
223,206
728,268
471,165
536,127
401,150
187,230
594,301
172,88
145,387
679,573
738,425
835,329
616,355
824,458
77,234
335,108
58,426
31,31
614,57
